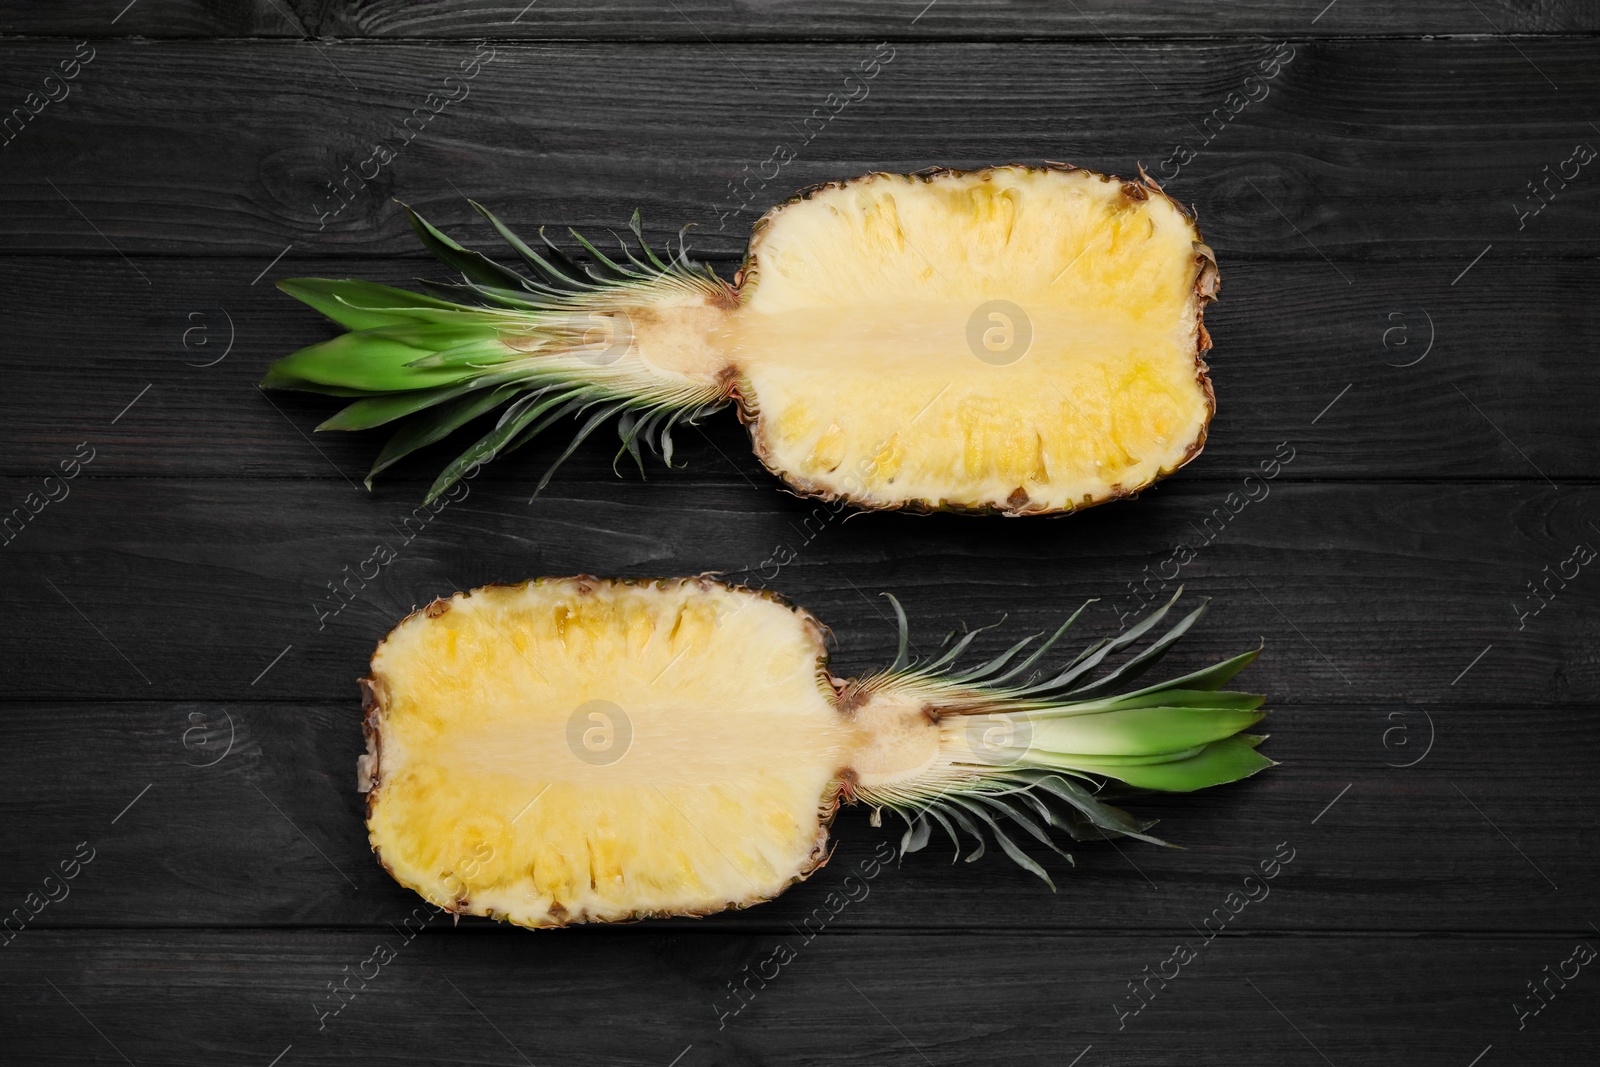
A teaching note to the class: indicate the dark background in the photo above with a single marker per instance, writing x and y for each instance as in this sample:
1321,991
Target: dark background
1426,349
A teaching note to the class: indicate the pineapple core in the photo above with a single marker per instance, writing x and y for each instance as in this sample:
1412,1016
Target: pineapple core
1012,339
572,750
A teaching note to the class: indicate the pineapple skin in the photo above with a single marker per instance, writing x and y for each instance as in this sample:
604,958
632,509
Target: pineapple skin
1207,284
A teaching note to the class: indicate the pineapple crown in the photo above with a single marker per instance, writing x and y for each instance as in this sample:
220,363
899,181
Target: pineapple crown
520,342
1031,749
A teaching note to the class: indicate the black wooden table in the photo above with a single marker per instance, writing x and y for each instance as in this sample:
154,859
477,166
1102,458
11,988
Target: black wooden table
1406,210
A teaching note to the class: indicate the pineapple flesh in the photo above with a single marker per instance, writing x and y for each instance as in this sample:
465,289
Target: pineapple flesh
568,751
578,750
1020,340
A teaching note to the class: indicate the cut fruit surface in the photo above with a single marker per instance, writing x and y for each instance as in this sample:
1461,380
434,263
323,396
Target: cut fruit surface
570,750
1015,339
575,750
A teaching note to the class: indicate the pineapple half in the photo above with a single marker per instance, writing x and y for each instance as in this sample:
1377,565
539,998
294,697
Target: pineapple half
579,750
1016,339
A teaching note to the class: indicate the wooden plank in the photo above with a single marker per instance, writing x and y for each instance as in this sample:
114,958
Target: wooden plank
245,814
1364,593
169,18
1355,151
699,20
992,19
1430,389
581,997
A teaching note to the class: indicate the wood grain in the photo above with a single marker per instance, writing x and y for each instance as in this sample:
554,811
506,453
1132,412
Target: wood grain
251,819
642,998
167,19
1364,593
1371,150
698,20
1441,382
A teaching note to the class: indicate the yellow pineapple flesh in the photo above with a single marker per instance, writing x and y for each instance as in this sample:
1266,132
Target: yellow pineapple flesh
1015,339
573,750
